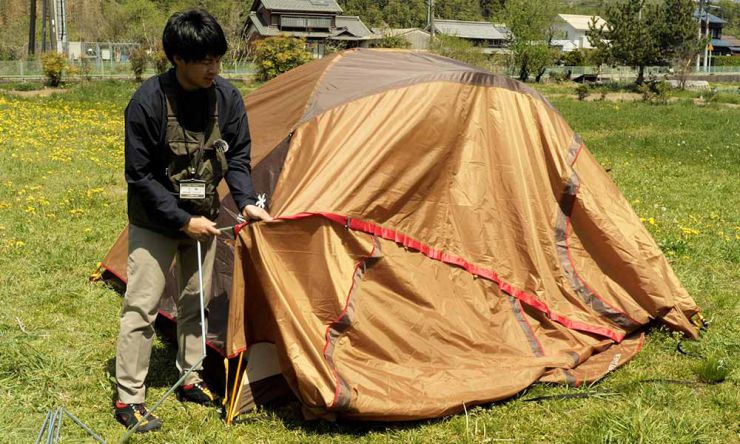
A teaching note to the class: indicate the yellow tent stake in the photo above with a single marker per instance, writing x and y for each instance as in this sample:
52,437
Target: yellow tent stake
230,415
226,385
239,395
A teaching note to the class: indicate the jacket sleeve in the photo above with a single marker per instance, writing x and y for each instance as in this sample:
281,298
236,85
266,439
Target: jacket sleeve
141,140
239,156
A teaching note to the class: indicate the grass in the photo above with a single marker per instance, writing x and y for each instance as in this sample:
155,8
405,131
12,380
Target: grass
62,204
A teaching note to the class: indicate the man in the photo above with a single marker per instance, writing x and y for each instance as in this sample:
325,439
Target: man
185,130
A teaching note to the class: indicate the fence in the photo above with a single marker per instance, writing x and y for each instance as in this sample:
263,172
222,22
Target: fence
31,70
25,70
626,73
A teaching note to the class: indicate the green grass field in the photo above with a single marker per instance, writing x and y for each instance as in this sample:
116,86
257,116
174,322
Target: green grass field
62,204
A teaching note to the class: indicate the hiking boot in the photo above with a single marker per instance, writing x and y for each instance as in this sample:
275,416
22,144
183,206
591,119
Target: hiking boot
130,414
198,393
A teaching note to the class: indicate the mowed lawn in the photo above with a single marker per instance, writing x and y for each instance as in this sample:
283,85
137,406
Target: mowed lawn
62,204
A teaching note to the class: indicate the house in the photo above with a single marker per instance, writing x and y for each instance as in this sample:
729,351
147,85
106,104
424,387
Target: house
734,43
417,38
491,38
318,21
718,45
570,31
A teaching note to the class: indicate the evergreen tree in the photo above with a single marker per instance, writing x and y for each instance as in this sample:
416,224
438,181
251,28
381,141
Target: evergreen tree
368,10
457,9
405,13
632,36
679,39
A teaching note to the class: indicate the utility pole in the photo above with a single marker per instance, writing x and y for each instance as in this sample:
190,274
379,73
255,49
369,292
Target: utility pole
701,11
431,17
44,14
32,29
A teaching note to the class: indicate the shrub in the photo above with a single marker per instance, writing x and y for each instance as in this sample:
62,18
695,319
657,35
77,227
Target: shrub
280,54
391,41
655,91
574,58
161,62
86,68
138,58
582,91
54,65
726,61
458,49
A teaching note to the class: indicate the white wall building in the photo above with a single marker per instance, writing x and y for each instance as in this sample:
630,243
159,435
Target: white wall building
570,31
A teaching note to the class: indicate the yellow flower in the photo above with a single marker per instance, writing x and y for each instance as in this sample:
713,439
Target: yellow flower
19,243
690,231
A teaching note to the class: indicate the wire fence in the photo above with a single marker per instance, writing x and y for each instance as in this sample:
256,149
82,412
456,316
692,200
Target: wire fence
31,70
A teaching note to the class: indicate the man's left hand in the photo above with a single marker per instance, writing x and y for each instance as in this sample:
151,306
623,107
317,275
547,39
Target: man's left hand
253,212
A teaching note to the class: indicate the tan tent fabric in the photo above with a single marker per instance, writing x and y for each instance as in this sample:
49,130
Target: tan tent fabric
444,239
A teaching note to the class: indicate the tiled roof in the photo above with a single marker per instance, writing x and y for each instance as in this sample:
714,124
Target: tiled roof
353,25
348,28
710,17
302,5
471,30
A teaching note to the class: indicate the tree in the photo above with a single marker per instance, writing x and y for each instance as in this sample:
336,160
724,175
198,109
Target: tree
529,22
405,13
13,28
457,9
679,41
369,10
631,36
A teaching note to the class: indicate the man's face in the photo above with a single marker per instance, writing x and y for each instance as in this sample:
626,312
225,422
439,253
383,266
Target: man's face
197,74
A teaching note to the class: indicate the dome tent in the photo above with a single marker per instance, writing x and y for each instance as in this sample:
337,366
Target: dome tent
443,239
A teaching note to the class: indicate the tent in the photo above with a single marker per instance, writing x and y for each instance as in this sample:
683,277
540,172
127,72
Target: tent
444,239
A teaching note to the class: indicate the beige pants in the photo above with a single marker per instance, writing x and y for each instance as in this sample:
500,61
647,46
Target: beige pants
150,256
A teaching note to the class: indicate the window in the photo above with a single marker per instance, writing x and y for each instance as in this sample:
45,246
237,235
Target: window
288,21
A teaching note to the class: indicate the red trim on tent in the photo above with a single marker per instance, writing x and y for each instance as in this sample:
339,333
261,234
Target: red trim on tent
578,153
450,259
236,353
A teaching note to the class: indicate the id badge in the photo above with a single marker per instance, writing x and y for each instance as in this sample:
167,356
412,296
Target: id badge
192,189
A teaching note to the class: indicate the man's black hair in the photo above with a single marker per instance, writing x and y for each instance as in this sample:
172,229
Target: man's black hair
193,35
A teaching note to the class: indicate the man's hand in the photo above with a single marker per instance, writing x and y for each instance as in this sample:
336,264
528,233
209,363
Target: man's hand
254,212
200,228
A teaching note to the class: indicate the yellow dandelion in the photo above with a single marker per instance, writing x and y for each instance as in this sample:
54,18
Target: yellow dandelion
690,231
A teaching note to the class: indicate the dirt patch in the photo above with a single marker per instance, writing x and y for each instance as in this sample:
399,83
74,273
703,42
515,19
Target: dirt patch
37,92
615,97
